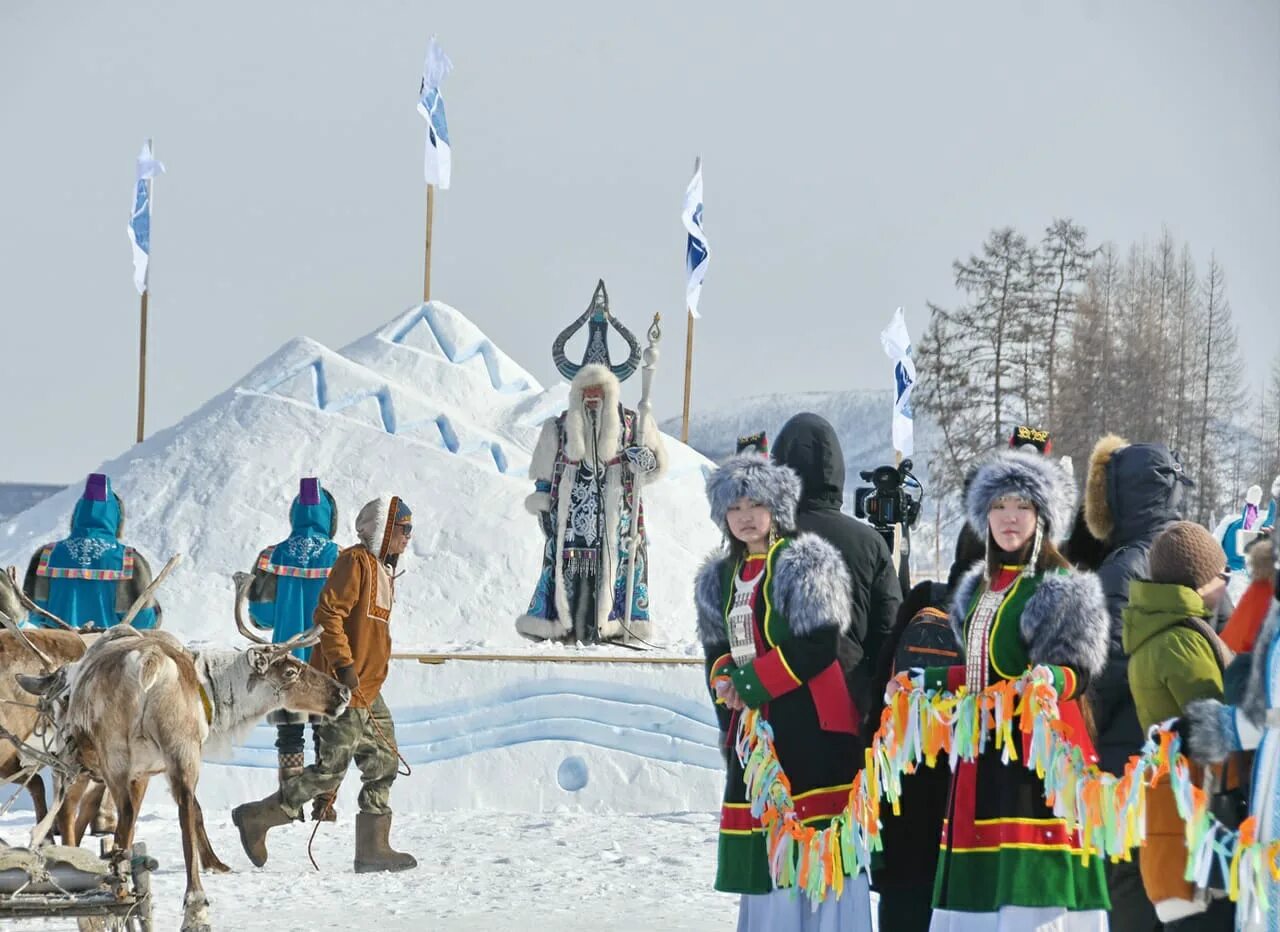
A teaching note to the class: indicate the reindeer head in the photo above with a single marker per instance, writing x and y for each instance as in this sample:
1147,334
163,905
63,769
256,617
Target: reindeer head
300,688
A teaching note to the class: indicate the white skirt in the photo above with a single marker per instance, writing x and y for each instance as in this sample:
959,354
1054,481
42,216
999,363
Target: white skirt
1020,919
789,911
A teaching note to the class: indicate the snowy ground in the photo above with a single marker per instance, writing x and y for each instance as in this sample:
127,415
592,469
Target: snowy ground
544,795
568,871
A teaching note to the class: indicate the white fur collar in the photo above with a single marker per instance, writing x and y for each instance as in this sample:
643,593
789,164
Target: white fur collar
609,428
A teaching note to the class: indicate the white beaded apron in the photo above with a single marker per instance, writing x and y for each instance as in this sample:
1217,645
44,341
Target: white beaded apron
979,639
742,639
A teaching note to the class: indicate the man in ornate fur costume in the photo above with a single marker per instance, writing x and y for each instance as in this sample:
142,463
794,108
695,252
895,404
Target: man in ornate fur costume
587,469
1213,730
770,610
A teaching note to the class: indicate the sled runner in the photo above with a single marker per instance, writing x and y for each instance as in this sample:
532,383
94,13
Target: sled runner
56,882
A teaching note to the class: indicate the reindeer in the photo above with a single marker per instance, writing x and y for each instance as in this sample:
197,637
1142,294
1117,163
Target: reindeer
28,653
138,703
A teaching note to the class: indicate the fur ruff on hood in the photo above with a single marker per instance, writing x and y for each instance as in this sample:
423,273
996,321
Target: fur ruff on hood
575,419
1097,513
1064,623
811,587
1027,475
373,525
754,476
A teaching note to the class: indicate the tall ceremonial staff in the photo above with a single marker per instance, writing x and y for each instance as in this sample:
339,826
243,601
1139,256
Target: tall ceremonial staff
648,366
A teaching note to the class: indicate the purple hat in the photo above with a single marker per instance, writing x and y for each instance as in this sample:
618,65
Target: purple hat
309,491
95,490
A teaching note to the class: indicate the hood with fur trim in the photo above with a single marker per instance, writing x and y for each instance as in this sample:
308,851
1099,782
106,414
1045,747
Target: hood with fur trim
607,429
374,523
1030,476
1132,490
754,476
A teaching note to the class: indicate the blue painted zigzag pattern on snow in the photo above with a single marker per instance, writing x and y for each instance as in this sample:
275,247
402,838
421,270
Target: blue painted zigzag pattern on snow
614,716
386,410
483,348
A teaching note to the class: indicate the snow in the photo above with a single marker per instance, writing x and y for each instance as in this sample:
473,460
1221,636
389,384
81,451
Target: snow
426,407
569,793
17,497
478,871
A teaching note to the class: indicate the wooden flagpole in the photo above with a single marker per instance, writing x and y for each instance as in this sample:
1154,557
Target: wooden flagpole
142,325
142,367
688,378
426,272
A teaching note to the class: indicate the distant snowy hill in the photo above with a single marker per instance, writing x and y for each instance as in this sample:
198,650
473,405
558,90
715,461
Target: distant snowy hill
17,497
861,418
426,407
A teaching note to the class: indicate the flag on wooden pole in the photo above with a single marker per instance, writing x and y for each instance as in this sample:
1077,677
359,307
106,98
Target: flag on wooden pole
897,346
438,162
140,222
697,252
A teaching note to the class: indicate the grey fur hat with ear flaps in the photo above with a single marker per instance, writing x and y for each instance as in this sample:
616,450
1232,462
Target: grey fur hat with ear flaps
753,476
1030,476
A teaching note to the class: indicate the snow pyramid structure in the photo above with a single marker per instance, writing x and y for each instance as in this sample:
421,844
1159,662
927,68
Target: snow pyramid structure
426,407
429,408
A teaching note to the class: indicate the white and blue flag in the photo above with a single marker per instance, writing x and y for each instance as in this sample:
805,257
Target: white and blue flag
140,224
697,252
439,161
897,346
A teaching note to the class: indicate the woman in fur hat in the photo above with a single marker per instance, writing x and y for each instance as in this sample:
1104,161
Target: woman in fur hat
770,607
1007,863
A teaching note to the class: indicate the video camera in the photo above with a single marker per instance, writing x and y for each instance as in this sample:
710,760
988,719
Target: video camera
889,500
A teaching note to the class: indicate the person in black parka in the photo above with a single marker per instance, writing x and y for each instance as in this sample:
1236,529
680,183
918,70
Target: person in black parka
808,444
1132,493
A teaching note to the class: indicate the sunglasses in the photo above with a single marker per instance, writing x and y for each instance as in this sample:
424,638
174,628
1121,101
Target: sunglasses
1225,576
405,529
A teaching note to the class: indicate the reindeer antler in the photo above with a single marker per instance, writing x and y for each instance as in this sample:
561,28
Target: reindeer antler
141,601
307,638
12,625
242,601
32,606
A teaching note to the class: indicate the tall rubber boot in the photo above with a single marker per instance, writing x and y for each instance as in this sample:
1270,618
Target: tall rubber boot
373,850
254,820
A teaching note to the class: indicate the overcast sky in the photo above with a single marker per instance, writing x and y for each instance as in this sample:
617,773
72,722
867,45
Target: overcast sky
852,151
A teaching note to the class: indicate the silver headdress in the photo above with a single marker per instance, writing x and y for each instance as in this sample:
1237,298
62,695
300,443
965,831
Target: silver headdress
598,320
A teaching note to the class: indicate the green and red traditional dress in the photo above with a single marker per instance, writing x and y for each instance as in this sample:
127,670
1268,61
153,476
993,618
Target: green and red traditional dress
782,661
1006,861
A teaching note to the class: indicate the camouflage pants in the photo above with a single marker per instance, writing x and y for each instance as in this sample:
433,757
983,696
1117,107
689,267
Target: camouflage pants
351,736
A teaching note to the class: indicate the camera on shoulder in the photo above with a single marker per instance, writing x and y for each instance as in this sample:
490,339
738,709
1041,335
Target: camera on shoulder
892,499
